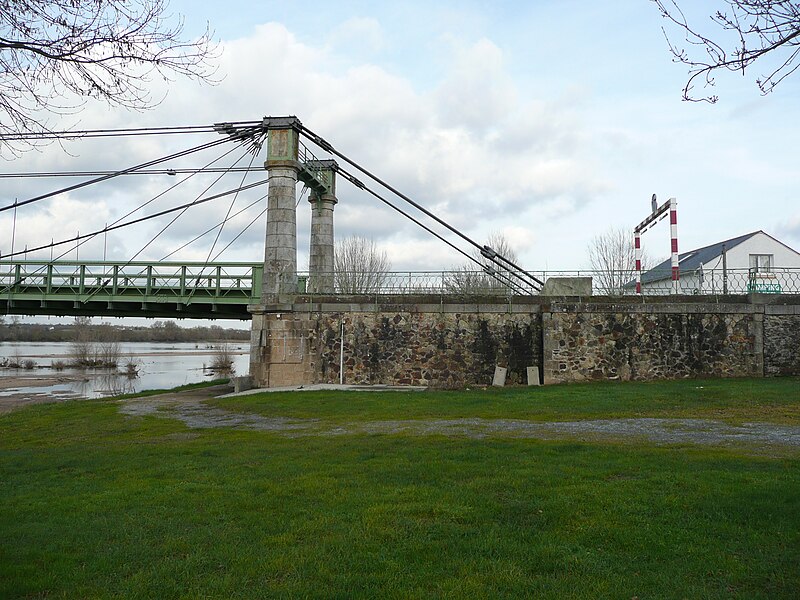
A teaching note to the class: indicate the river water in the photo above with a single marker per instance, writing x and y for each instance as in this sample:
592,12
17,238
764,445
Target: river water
160,366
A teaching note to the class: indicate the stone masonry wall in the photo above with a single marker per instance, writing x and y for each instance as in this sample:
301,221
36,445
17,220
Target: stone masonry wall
434,349
596,345
782,344
452,345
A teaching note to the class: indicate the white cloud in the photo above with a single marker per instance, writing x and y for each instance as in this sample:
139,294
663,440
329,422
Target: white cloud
478,92
468,150
357,34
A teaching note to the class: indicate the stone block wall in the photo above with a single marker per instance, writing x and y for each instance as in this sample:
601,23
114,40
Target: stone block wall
597,343
455,345
781,344
281,349
440,349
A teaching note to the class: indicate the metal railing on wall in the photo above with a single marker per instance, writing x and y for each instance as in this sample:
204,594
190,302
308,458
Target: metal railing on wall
616,283
241,282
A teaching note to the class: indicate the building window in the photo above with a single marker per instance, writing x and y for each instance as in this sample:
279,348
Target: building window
761,263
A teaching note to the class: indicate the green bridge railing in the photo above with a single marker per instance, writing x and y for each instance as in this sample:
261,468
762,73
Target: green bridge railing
129,288
224,290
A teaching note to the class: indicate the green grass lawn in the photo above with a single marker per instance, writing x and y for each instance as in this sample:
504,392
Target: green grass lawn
775,400
94,504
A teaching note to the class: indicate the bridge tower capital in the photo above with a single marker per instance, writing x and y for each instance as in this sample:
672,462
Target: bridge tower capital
321,256
280,248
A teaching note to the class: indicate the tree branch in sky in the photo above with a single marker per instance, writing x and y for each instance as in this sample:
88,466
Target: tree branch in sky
743,32
56,54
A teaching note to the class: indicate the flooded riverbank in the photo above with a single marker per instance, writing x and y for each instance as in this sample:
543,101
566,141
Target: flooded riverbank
158,366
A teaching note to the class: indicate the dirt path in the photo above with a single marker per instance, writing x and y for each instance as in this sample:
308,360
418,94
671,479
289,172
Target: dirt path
190,408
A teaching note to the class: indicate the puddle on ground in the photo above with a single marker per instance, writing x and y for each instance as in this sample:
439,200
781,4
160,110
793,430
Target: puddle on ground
61,391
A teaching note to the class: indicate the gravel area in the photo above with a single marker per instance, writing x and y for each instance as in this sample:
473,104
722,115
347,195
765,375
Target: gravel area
189,408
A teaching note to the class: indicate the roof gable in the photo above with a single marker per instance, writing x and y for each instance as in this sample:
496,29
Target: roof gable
692,259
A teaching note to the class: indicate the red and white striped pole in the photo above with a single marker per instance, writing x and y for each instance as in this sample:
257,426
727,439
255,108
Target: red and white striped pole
673,234
637,246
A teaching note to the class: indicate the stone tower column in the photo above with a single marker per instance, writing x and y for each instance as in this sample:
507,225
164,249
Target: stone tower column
320,261
280,254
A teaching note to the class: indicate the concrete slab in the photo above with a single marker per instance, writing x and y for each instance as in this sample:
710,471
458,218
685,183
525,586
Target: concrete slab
330,387
567,286
499,376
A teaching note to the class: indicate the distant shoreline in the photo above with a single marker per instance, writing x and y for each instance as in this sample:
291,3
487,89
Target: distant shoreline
237,352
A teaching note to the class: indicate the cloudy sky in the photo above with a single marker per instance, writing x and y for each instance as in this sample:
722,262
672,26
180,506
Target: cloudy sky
547,121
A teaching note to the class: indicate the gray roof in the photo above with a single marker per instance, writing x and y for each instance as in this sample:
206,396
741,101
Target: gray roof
692,259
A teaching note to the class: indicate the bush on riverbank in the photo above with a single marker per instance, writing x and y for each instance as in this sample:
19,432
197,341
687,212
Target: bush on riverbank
95,347
222,361
17,362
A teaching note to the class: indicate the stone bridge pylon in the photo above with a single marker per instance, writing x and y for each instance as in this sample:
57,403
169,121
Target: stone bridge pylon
279,337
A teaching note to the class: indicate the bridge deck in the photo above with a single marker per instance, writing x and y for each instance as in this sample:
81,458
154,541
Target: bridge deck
129,289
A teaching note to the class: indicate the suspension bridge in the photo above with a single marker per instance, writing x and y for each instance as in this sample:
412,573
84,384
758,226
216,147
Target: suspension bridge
367,328
215,288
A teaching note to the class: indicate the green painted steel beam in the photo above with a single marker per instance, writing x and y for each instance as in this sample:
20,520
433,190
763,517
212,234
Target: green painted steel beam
138,288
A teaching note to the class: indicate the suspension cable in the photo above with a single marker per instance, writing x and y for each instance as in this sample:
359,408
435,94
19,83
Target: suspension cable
122,132
142,219
362,186
491,272
234,136
485,251
209,230
177,171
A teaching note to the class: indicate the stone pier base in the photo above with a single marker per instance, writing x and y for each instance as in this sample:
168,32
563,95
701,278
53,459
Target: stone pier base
281,348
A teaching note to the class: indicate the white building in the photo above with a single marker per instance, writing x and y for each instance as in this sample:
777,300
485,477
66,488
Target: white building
755,262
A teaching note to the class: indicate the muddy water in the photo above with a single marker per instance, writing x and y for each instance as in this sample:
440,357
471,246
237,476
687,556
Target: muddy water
159,365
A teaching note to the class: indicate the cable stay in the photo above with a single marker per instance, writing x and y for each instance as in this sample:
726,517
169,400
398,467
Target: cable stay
143,205
178,216
526,280
245,134
210,229
140,220
222,225
242,232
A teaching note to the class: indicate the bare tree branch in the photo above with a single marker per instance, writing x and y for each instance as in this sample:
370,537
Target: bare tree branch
467,279
360,267
759,27
56,54
613,259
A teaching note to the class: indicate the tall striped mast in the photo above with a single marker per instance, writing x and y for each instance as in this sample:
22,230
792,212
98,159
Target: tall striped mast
670,207
637,246
673,235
